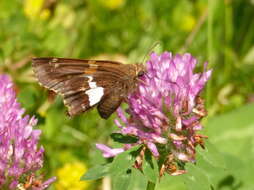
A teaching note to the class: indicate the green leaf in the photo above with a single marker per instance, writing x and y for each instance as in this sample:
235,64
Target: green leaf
211,155
150,167
121,181
168,182
138,181
230,130
232,134
150,186
96,172
124,160
236,166
196,179
118,137
209,167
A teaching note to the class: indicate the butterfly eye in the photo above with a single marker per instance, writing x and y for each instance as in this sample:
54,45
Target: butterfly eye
141,73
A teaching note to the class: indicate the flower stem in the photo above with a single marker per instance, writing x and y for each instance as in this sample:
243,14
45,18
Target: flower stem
150,186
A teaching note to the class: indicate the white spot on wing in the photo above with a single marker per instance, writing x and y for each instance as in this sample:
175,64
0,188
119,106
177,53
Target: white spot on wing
90,83
94,95
90,78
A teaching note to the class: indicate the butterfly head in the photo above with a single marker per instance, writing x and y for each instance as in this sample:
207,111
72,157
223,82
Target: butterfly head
140,70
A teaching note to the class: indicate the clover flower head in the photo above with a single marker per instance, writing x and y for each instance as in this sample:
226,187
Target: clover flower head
165,110
20,156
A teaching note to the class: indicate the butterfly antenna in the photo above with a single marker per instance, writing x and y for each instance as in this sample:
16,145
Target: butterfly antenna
155,44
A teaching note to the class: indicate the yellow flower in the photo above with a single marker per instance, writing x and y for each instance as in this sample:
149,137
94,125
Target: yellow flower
112,4
69,177
33,9
188,23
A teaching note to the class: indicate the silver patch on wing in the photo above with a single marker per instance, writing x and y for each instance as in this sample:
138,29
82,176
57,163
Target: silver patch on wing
95,95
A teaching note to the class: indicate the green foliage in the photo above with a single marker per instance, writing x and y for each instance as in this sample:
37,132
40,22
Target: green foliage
122,180
96,172
121,171
150,168
220,32
124,161
226,163
118,137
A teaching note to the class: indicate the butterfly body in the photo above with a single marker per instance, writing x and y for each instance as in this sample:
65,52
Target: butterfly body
85,84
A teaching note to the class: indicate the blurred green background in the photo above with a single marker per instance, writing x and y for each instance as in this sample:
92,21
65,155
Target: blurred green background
218,31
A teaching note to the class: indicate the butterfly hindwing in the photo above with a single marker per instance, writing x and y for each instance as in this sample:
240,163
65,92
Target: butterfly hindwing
109,104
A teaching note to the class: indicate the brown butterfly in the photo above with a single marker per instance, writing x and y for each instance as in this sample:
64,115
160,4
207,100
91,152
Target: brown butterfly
85,84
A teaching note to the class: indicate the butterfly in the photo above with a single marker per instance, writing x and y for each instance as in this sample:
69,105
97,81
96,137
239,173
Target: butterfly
85,84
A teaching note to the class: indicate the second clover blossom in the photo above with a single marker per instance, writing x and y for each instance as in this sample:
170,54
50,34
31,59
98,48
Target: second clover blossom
20,156
165,111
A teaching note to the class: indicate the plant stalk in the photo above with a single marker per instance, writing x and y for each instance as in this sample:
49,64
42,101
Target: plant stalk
150,186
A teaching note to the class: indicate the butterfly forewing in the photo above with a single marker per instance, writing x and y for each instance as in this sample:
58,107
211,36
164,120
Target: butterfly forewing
83,83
